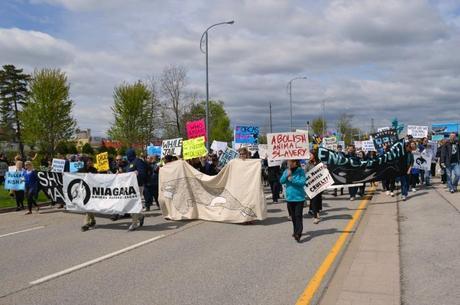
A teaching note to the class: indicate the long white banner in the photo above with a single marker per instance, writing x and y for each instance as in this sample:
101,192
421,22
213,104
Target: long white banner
102,193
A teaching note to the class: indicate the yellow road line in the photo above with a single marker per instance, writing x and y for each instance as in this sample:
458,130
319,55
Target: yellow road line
316,280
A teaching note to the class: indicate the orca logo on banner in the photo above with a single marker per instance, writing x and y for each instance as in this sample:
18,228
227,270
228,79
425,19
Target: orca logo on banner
78,191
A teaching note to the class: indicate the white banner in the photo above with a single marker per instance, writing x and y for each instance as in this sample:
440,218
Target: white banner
102,193
417,132
318,180
235,195
422,160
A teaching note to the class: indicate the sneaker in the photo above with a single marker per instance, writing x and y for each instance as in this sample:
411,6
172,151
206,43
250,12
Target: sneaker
414,190
404,198
392,194
289,218
316,221
92,225
452,191
352,198
85,228
133,227
141,221
28,213
387,193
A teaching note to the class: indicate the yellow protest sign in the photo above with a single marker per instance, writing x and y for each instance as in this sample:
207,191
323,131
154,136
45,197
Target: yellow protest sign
102,161
194,148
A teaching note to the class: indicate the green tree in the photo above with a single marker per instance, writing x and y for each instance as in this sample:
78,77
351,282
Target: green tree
62,148
318,126
218,119
47,116
346,129
13,95
131,111
87,149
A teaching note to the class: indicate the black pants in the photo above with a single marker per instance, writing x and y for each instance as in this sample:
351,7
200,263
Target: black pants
316,204
150,194
31,200
413,180
433,169
296,211
275,188
19,196
389,184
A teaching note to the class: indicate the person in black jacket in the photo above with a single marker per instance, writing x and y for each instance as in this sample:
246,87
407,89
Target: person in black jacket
151,184
140,168
450,158
274,175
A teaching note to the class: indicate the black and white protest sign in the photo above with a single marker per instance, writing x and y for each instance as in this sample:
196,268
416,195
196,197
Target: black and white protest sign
51,184
368,146
102,193
388,136
418,132
172,147
228,155
422,160
318,180
350,170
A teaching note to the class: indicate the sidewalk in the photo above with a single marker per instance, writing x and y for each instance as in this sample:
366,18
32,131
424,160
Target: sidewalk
369,272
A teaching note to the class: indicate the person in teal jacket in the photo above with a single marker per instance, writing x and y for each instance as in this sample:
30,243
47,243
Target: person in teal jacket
294,179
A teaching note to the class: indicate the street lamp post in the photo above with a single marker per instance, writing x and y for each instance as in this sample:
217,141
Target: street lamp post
290,95
204,39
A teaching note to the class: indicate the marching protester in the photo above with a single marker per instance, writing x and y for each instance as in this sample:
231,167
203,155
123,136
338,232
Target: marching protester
340,153
19,194
138,166
151,183
316,203
90,219
294,179
408,163
31,186
442,143
351,152
244,153
273,178
450,158
414,173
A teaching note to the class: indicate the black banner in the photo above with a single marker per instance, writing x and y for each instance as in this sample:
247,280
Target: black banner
380,138
350,170
51,185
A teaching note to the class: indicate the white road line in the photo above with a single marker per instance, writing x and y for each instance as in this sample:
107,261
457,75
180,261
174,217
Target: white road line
94,261
22,231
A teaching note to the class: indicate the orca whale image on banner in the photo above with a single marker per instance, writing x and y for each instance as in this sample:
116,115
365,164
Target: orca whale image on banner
350,170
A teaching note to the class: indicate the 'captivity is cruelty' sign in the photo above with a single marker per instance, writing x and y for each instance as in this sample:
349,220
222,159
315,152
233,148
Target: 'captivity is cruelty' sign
318,180
288,146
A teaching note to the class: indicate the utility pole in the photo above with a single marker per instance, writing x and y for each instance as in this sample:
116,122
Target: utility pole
271,126
372,126
324,115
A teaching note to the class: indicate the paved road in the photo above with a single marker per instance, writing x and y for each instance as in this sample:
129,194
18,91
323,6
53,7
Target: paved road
430,244
192,262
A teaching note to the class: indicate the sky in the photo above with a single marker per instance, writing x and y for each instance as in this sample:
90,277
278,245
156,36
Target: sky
372,59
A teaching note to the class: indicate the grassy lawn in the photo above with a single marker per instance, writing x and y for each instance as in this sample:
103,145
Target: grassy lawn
6,201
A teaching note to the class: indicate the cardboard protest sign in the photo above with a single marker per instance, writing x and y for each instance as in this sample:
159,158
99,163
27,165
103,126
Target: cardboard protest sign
247,134
368,146
216,146
194,148
58,165
389,136
196,129
358,145
105,194
418,132
153,150
172,147
349,170
14,181
228,155
235,195
102,162
75,166
318,180
330,143
288,146
263,151
422,160
51,184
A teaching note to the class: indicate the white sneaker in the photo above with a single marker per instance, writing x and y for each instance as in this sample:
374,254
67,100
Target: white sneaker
414,190
352,198
404,198
392,194
133,227
316,221
388,193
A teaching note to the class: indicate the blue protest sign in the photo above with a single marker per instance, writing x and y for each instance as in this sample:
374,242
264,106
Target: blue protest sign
15,181
75,166
153,150
246,134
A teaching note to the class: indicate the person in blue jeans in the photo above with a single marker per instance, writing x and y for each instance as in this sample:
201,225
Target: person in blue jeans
450,161
408,162
294,179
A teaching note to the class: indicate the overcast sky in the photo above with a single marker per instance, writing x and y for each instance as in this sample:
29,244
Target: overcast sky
373,59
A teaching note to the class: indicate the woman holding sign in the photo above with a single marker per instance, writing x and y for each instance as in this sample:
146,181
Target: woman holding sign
294,179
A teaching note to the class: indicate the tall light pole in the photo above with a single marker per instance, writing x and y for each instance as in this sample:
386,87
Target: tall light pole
290,95
204,40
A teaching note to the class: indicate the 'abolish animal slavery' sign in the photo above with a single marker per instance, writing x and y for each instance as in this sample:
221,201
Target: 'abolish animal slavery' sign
318,180
350,170
287,146
102,193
